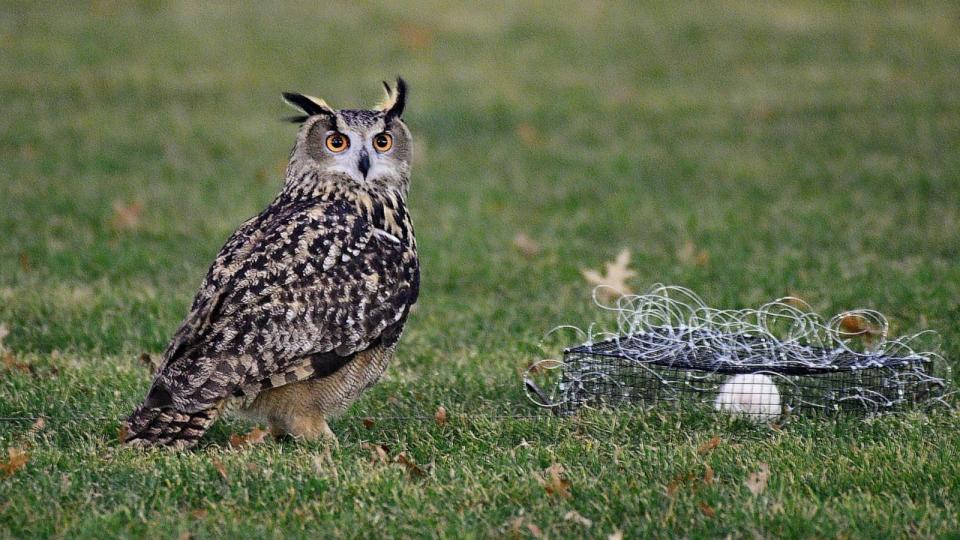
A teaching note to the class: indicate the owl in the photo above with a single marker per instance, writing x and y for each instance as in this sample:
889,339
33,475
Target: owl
301,310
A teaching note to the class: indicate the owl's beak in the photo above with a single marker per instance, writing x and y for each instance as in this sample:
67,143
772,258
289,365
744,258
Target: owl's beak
364,163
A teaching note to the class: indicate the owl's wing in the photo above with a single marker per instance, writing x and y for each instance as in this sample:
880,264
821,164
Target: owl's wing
310,280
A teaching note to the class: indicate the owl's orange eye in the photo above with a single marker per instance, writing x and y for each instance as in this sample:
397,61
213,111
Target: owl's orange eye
337,142
383,142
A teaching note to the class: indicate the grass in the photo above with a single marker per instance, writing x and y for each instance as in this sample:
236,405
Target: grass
805,148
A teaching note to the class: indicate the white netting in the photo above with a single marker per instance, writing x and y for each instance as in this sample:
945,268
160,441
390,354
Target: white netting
767,362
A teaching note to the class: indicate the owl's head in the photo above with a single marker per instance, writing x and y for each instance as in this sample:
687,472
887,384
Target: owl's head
370,148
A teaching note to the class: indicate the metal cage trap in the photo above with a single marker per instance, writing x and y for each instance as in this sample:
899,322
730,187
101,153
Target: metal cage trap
764,364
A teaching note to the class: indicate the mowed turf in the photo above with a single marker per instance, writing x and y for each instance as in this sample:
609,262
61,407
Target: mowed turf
745,150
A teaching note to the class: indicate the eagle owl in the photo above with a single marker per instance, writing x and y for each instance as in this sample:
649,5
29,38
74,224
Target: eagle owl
304,304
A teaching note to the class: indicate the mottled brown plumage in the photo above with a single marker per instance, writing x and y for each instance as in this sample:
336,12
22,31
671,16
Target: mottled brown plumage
304,304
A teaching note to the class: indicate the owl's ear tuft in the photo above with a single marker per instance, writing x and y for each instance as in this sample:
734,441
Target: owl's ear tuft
395,101
308,104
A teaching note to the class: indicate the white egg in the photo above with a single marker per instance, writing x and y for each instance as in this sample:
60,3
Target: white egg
751,395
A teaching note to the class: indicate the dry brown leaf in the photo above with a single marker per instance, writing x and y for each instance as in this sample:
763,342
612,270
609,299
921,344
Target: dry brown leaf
39,425
708,475
11,364
254,436
199,513
542,366
526,245
554,483
515,525
25,265
122,432
440,416
185,535
219,466
612,285
147,360
707,510
126,216
709,445
16,459
411,466
615,535
689,255
676,482
757,481
528,134
534,530
378,453
368,422
414,36
853,325
575,517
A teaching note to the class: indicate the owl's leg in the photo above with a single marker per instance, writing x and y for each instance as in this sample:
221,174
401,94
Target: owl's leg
312,427
301,409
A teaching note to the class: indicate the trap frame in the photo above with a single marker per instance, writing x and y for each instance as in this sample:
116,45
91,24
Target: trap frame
766,364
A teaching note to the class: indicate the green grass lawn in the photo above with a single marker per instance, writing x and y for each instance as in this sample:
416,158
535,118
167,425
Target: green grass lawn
795,148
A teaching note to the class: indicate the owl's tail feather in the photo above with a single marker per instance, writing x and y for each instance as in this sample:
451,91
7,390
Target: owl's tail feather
164,426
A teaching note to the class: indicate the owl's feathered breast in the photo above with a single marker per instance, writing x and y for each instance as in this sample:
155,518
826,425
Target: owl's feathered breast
304,278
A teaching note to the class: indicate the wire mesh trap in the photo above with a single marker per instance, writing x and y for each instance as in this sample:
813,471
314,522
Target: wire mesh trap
764,364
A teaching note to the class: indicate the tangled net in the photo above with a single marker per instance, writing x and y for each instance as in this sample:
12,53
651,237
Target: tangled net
765,364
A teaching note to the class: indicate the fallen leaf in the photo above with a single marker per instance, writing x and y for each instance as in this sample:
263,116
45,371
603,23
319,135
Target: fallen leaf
440,416
378,453
368,422
199,513
707,510
185,535
757,481
16,459
11,364
534,530
855,325
526,245
254,436
676,482
709,445
542,366
612,284
25,265
37,426
555,484
414,36
615,535
689,255
515,525
126,216
575,517
218,465
411,466
123,432
528,134
147,360
708,475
